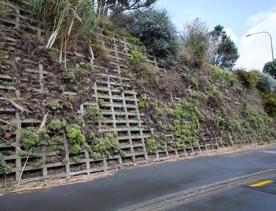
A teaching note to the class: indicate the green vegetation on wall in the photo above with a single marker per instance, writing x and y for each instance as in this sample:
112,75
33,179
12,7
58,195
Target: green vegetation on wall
93,114
76,139
151,145
106,146
4,168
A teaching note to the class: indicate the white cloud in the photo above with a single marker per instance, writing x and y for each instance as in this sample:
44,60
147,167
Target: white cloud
259,17
255,50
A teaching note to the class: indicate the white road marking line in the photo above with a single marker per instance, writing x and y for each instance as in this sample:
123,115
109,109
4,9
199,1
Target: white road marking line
270,152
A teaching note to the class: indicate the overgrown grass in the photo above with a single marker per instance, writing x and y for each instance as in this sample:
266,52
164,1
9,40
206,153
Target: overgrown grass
67,21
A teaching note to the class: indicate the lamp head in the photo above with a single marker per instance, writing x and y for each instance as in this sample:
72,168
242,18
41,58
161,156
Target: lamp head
248,35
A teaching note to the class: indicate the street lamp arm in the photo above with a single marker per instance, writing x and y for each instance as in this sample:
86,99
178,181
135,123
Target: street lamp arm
259,33
270,37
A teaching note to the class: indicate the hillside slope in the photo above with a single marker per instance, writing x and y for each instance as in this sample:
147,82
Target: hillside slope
87,117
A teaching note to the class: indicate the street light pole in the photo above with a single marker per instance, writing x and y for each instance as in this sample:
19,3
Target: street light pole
271,42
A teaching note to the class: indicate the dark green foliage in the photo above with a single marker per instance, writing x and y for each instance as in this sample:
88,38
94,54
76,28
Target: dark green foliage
120,6
195,45
76,139
155,30
270,68
225,52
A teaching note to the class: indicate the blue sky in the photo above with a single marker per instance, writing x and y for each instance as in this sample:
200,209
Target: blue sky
237,16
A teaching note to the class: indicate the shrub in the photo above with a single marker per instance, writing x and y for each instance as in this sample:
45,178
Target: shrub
248,79
195,43
270,103
155,30
270,68
266,83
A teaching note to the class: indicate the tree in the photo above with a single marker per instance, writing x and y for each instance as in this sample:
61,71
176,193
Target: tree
155,31
118,6
270,68
224,52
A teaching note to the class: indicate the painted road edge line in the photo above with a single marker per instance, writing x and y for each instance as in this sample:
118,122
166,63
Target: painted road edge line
164,202
261,184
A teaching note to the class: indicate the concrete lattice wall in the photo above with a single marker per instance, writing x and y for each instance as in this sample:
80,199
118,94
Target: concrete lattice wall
119,107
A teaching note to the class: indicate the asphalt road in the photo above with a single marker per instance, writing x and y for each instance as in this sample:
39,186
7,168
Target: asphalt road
243,198
132,186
